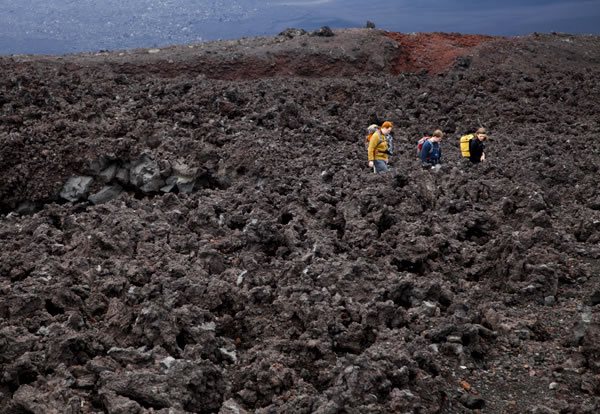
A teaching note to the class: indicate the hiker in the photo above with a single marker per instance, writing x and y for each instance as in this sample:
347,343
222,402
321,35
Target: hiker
431,151
472,146
378,150
477,146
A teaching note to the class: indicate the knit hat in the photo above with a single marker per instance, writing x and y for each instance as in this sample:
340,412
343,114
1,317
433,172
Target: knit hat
387,124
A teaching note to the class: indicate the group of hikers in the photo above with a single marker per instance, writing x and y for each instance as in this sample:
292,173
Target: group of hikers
380,145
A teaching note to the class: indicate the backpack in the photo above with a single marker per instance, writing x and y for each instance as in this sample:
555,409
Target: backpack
368,139
420,145
390,142
370,131
465,140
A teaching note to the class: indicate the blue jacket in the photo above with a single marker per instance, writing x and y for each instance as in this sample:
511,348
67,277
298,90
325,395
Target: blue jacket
431,153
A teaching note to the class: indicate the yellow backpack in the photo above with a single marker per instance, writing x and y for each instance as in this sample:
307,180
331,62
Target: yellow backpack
464,144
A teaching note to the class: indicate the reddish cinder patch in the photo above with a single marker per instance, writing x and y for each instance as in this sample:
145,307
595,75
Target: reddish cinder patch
433,52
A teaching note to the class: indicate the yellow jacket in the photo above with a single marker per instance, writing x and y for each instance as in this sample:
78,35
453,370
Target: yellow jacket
378,147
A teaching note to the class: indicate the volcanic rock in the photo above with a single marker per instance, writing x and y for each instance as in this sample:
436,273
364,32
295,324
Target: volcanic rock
236,253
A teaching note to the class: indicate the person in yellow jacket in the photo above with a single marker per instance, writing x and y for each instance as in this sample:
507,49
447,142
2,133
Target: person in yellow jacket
379,148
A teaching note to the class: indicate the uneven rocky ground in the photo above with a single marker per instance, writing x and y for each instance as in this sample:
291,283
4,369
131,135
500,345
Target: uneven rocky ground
195,229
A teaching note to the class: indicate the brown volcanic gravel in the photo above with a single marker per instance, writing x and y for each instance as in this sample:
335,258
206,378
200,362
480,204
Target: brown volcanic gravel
228,250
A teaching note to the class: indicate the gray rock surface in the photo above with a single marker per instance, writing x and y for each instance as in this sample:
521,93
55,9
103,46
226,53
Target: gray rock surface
107,193
76,188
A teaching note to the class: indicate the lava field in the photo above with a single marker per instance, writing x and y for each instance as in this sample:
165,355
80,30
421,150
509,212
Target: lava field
195,229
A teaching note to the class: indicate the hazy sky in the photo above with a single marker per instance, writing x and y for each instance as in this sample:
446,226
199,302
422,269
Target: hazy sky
65,26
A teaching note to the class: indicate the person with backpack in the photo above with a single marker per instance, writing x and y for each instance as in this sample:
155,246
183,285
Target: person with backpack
430,152
379,149
477,148
473,146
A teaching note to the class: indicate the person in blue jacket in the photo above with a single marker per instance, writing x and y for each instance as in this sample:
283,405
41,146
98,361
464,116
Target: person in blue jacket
431,151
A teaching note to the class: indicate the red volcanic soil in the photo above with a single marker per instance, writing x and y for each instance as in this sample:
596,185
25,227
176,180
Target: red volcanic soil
195,229
433,52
